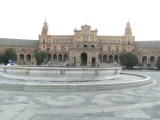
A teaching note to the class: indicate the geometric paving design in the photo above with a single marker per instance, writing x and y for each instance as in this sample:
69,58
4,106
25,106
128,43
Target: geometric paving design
139,103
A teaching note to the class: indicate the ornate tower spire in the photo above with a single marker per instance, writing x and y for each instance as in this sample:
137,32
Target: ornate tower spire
129,39
45,23
128,29
45,28
128,24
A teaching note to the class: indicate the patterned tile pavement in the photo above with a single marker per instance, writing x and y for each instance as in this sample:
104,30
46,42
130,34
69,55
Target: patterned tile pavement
140,103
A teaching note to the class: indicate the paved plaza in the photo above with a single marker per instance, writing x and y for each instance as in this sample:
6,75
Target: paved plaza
140,103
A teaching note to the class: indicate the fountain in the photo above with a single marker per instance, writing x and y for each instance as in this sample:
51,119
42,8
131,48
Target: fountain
67,78
59,74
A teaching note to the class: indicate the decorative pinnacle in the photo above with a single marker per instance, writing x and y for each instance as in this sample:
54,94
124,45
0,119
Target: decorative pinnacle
128,23
45,23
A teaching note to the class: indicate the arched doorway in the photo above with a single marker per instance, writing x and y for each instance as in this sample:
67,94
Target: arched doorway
83,59
59,58
116,58
105,58
28,57
93,61
110,59
152,59
21,57
55,57
49,57
65,57
144,59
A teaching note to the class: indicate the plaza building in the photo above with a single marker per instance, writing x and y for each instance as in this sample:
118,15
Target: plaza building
84,48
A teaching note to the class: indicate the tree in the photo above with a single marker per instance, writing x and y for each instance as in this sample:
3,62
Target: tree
8,54
158,63
1,58
40,56
128,59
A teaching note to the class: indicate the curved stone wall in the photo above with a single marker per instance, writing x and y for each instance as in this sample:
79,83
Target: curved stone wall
59,73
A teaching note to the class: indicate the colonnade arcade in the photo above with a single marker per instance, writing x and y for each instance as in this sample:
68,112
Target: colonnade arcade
24,58
108,58
58,57
148,59
27,58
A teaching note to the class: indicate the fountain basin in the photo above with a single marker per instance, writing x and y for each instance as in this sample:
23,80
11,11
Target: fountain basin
124,81
59,74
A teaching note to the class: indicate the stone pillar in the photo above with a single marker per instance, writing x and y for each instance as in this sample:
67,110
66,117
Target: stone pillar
112,58
78,60
88,59
69,59
62,57
25,58
107,58
155,59
31,58
97,61
141,59
17,58
148,59
34,60
51,58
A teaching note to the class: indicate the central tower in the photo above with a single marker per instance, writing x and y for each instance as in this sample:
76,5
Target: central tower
85,48
85,32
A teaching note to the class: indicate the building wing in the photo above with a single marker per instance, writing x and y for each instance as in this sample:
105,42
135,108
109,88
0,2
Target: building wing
147,44
18,42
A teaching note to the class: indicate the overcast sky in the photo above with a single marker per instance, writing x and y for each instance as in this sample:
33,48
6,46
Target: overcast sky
23,19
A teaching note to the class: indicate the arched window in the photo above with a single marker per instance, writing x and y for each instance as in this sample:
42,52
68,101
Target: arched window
65,57
21,56
105,58
85,46
110,58
28,57
152,59
92,46
55,57
60,57
144,59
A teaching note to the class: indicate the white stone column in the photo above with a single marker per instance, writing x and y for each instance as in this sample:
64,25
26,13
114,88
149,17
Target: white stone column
112,58
148,59
25,58
97,61
17,57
